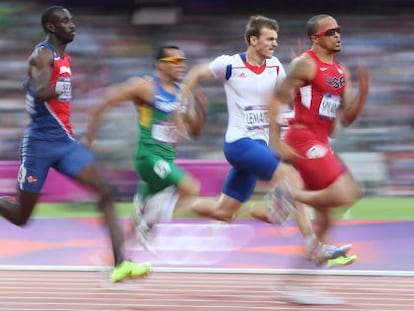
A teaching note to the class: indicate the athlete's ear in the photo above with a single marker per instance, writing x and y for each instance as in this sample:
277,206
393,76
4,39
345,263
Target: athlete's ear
314,38
253,40
50,27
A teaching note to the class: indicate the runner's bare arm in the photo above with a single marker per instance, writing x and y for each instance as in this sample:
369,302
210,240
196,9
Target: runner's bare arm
195,116
196,75
353,104
40,71
300,71
136,90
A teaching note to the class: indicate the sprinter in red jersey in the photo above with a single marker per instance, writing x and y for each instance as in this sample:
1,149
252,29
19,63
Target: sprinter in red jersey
322,97
49,142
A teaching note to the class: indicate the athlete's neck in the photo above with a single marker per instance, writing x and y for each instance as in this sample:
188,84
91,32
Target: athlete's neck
167,84
60,48
324,56
253,58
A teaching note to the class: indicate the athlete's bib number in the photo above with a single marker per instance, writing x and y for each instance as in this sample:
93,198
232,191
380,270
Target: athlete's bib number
166,133
64,88
256,118
329,106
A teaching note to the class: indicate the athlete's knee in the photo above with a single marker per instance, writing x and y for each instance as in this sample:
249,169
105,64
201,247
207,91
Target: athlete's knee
358,192
16,213
354,193
189,187
348,196
196,188
19,218
21,221
286,171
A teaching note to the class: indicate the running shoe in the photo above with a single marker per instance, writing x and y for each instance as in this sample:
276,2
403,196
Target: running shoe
342,261
320,253
130,270
281,203
338,251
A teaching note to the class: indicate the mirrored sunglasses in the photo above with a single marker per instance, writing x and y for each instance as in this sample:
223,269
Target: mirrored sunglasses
174,60
328,32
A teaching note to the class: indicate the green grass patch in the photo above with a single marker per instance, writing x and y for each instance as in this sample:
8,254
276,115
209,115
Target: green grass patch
77,209
367,208
383,208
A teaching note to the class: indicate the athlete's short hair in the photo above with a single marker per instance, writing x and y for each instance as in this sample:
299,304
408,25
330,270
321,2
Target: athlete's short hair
49,15
312,26
255,25
162,51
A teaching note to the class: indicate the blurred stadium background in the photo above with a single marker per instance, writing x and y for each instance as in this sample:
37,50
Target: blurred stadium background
116,40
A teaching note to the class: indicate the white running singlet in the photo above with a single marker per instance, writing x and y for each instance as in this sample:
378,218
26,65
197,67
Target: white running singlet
248,90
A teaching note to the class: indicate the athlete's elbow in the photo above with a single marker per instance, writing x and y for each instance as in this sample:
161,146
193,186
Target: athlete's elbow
347,120
44,94
196,75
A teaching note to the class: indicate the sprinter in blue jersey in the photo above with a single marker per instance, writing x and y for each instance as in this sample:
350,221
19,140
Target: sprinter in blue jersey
49,141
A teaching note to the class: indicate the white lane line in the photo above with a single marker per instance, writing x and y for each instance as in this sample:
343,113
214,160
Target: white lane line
211,305
150,281
331,272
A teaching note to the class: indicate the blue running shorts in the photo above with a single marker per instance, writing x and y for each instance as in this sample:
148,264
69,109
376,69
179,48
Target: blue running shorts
38,156
250,160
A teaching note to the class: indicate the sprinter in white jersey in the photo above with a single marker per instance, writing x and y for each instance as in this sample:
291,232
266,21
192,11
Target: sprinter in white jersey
249,80
248,88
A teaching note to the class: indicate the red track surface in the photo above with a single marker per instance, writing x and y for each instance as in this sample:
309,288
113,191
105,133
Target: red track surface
72,291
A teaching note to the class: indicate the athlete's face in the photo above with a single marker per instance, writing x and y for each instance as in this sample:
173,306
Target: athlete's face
173,65
329,35
265,44
63,26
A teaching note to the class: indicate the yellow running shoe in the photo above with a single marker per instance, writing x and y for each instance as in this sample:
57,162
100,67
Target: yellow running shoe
130,270
342,261
140,269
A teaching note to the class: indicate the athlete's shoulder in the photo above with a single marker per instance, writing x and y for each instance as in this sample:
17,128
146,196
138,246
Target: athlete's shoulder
303,62
41,55
140,80
222,65
44,48
226,59
273,61
135,86
302,67
148,78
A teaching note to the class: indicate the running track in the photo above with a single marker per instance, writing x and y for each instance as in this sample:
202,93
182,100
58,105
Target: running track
44,271
70,291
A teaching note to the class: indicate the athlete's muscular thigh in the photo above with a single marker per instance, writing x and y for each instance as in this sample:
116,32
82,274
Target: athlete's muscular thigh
252,156
319,172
